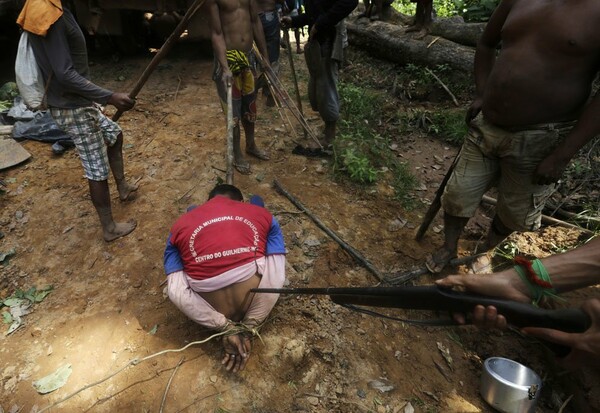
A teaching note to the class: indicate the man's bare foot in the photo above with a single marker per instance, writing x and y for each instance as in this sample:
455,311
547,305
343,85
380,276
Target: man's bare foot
437,261
257,153
127,191
299,50
120,229
243,167
422,34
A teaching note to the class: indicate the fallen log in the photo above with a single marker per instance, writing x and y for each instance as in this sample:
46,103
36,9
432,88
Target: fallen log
458,31
390,42
452,28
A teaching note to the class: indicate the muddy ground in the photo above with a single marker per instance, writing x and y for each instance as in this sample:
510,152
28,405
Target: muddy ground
108,307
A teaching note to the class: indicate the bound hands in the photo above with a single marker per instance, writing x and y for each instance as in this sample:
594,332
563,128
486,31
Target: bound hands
121,101
237,351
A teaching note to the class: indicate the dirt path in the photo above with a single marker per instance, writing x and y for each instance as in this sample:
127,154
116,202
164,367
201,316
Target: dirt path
107,298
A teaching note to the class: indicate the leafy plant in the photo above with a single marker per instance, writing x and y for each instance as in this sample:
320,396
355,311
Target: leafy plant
360,152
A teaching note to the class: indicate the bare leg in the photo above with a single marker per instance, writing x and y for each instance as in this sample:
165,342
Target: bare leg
329,132
240,163
251,148
101,199
497,233
417,23
453,227
115,159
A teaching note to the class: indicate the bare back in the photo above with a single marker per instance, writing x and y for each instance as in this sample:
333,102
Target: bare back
549,58
234,300
236,24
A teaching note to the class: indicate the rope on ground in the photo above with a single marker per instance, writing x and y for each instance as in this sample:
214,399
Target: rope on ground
238,328
162,404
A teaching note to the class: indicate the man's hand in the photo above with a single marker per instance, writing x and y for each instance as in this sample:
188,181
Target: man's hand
550,170
474,109
506,285
121,101
227,77
286,22
585,347
237,351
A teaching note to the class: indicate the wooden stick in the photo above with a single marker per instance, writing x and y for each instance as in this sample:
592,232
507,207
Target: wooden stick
437,202
545,218
443,85
354,253
285,97
406,276
230,127
286,36
576,217
164,50
162,404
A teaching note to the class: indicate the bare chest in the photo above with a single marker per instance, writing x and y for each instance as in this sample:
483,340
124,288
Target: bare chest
555,26
233,7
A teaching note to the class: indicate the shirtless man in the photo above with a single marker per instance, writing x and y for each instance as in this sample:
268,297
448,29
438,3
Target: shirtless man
269,18
235,26
60,51
215,254
537,113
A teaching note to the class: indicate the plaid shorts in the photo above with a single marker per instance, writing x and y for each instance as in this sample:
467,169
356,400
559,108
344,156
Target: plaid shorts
92,131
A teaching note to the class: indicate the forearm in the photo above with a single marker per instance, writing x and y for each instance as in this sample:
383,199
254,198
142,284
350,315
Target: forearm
220,49
586,128
192,304
575,269
259,38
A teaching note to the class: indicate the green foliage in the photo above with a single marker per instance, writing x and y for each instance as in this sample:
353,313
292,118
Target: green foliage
360,152
448,124
476,10
470,10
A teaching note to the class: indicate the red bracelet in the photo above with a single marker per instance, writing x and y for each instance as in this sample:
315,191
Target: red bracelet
531,274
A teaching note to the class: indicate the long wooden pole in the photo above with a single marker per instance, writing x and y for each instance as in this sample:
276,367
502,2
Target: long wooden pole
286,36
229,175
354,253
164,50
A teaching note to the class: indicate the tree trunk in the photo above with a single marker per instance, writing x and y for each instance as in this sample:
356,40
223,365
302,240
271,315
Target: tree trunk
458,31
388,41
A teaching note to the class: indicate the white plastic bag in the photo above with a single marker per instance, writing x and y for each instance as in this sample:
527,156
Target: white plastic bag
28,75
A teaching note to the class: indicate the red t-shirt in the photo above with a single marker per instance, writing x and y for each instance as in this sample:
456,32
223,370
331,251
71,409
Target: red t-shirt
220,235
